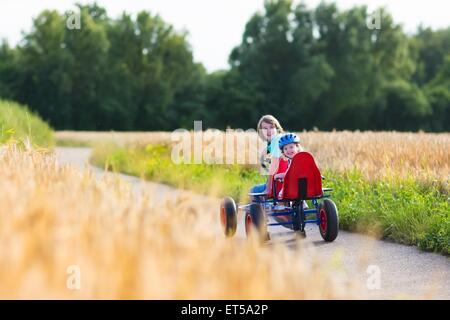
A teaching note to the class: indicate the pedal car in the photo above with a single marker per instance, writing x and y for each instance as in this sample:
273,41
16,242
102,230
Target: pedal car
302,182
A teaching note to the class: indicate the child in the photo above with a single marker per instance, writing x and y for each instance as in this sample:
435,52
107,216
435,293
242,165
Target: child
289,145
269,130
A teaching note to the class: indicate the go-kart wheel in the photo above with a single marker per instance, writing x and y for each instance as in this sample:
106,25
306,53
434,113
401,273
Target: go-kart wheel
297,220
228,216
329,220
255,220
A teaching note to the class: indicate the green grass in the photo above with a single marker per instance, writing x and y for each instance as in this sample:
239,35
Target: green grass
153,162
17,123
403,210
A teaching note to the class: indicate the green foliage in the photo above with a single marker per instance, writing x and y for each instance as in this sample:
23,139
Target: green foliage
438,93
431,50
154,163
406,210
130,73
403,210
310,67
17,123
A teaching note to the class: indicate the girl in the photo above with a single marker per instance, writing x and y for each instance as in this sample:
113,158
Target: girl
270,130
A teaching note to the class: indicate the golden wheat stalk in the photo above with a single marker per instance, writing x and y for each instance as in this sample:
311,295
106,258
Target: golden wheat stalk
65,235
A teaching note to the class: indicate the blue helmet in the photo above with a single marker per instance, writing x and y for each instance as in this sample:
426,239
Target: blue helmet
287,139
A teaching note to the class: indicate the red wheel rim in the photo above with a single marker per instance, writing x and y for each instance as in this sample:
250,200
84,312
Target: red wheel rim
323,220
223,217
248,224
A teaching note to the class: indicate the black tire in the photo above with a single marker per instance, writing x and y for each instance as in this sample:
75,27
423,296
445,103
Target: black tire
297,219
329,228
228,216
298,224
255,220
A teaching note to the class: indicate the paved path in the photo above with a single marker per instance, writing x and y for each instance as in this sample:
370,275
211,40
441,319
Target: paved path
404,271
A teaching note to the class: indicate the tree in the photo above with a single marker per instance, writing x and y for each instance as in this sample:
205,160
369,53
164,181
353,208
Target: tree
109,74
8,71
44,61
87,48
438,93
156,63
431,48
319,67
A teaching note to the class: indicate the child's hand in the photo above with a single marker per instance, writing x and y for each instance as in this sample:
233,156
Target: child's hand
279,176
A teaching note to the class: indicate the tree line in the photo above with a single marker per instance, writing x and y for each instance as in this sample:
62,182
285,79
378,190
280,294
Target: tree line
310,67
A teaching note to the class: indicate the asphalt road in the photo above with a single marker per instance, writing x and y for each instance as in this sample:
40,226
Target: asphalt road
403,271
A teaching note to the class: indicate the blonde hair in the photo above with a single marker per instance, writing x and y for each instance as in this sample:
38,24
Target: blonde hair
269,119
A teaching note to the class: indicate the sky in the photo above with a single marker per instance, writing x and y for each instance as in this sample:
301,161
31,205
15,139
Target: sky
205,19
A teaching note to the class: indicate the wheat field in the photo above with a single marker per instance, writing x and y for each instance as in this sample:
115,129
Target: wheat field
374,154
55,219
64,234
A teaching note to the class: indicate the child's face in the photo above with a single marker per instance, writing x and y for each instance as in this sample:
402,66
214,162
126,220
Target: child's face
268,130
291,149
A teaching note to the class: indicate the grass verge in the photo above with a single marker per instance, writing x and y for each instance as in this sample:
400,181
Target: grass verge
18,124
403,209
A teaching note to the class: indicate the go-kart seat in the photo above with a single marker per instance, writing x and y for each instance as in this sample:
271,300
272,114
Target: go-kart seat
282,167
303,179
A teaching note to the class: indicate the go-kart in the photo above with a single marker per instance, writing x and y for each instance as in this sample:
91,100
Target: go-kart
302,182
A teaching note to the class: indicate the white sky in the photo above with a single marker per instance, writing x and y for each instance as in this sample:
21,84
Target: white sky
214,26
